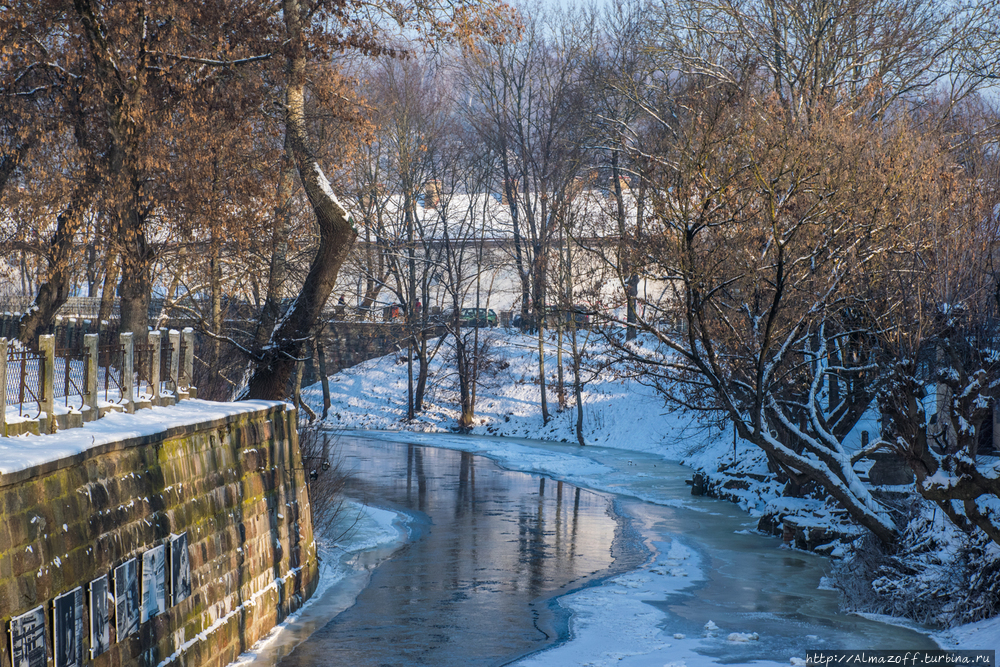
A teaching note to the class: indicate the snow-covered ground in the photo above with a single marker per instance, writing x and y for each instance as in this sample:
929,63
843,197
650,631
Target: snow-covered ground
618,413
611,623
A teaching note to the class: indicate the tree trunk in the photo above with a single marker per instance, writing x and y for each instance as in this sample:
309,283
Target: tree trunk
411,298
136,255
215,267
134,290
624,260
541,372
324,378
136,261
510,193
422,370
630,302
560,383
577,383
272,369
279,247
540,322
422,348
54,290
108,291
466,399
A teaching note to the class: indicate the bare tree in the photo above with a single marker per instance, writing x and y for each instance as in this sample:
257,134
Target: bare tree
621,72
525,96
871,53
760,232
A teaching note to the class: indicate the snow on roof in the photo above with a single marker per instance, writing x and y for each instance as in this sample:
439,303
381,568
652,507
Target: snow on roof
486,215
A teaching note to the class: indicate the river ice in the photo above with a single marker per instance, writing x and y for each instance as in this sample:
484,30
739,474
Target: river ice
689,604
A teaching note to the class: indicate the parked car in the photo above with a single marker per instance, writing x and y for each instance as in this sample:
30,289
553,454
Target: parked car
579,313
575,313
478,317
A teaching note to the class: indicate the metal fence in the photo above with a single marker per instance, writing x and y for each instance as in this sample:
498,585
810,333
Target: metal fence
110,367
71,375
90,378
166,357
142,367
182,379
24,381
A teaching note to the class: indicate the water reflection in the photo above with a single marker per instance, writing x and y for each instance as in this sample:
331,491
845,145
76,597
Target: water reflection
489,551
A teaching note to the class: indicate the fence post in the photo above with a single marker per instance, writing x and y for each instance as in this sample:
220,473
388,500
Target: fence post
297,389
154,372
3,387
175,343
128,378
188,361
90,343
47,348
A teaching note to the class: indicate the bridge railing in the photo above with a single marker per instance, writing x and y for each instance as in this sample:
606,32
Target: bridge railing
45,389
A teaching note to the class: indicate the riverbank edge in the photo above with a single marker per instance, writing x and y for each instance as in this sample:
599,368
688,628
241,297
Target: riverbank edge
339,578
944,639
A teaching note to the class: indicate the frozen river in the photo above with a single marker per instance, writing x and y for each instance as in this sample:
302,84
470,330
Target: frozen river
488,550
581,556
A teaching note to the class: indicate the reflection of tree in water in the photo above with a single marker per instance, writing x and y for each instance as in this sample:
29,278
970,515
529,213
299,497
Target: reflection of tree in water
488,547
466,497
415,465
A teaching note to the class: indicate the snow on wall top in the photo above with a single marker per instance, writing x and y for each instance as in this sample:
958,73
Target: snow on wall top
23,452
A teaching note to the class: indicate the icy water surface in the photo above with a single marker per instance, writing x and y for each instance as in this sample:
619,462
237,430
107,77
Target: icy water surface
490,549
752,583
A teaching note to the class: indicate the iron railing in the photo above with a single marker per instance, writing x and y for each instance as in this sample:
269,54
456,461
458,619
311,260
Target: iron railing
24,380
110,367
182,379
71,375
166,356
142,367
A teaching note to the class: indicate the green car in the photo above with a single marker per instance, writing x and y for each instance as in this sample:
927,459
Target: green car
478,317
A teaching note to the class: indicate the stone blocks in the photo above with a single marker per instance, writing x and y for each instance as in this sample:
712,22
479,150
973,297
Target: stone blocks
223,482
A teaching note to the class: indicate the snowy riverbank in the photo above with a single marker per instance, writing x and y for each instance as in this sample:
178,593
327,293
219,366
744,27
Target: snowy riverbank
369,536
619,413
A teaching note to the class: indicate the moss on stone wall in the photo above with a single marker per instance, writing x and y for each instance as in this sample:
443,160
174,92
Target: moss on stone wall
235,485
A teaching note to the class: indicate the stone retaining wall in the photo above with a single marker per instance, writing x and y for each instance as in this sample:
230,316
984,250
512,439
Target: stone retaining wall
235,485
